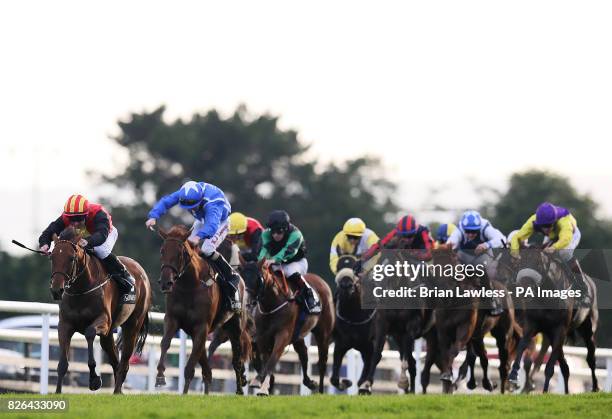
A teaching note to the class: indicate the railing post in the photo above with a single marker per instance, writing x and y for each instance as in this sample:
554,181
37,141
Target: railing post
151,371
182,360
44,355
608,385
417,354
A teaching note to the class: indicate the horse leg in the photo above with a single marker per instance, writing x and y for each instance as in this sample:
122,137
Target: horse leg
219,337
233,330
557,337
502,350
65,333
379,343
108,346
323,347
408,364
129,337
528,334
339,351
100,326
430,356
270,359
527,365
302,351
366,357
198,337
206,372
481,351
565,371
170,328
468,364
586,331
539,359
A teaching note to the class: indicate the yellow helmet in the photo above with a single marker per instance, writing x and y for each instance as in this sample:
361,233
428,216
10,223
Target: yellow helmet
354,227
237,223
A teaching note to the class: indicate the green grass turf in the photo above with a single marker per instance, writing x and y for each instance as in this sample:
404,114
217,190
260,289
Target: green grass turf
101,406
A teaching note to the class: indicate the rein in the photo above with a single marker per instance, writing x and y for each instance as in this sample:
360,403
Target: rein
178,273
353,323
71,279
283,288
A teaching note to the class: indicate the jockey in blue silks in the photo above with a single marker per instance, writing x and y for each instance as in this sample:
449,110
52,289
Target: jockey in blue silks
210,208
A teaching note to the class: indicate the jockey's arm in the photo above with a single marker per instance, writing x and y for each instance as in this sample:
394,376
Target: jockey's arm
424,254
523,234
212,216
454,240
265,239
495,238
46,236
101,230
333,253
379,245
566,232
256,244
291,247
163,205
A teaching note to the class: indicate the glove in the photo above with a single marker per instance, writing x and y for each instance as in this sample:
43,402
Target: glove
44,248
358,267
150,223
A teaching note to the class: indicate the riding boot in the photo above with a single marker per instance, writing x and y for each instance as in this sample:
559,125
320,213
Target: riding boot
306,294
230,281
122,277
579,283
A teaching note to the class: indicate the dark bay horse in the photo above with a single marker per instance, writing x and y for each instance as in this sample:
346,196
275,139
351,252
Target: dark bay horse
456,319
193,303
507,334
405,326
90,305
354,325
276,320
550,316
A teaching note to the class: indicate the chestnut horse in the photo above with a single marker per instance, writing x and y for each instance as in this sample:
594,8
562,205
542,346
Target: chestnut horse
193,303
90,305
276,320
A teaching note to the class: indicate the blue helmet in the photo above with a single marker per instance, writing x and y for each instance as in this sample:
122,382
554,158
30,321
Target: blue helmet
444,232
191,195
471,220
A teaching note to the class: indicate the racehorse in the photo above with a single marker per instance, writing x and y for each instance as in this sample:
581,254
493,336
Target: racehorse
549,315
193,303
506,332
354,325
405,326
455,322
90,305
276,319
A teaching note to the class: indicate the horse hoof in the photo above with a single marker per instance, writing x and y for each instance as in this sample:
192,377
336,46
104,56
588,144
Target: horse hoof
239,391
365,392
262,393
312,386
160,382
95,383
403,384
344,384
471,385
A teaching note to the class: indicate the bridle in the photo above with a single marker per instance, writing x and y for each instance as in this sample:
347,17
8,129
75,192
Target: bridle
281,286
74,275
179,273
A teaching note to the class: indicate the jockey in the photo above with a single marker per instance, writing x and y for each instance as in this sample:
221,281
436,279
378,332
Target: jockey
407,234
245,232
561,234
474,239
284,244
210,208
354,239
443,233
95,225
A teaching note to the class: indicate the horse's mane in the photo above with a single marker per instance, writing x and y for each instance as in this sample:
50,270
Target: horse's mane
178,230
69,234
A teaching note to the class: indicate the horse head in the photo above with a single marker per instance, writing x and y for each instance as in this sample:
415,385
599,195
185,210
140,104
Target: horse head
68,261
273,277
347,283
175,256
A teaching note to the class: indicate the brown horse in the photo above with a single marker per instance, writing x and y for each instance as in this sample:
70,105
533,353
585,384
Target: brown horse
193,303
90,305
455,322
276,320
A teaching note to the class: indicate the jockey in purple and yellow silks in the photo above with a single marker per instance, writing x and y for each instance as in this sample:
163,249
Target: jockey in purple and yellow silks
561,234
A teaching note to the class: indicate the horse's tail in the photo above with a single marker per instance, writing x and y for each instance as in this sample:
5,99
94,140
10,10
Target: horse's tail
246,346
142,335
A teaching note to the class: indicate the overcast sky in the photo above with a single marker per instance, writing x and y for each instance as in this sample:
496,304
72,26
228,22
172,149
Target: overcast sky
441,90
